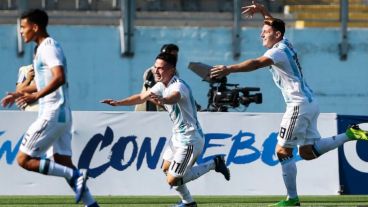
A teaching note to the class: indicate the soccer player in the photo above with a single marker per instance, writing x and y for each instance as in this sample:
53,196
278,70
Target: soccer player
51,132
187,141
299,123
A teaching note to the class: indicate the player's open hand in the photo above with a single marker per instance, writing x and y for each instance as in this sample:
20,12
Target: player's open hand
110,102
219,71
250,10
9,99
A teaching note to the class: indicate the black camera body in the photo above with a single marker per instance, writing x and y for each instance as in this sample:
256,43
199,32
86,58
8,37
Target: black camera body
222,96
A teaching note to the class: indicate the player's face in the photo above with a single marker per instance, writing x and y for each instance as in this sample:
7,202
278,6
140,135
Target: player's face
269,36
163,71
173,52
27,30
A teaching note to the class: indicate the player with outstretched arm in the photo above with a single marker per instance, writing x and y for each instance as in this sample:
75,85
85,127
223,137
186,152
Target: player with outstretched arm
299,123
187,141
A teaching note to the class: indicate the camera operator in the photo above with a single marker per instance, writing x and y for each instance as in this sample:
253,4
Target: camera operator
150,79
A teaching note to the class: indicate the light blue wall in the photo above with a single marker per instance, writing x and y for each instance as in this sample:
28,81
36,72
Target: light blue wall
97,71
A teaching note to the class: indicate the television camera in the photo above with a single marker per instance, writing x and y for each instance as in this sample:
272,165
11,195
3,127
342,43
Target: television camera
222,95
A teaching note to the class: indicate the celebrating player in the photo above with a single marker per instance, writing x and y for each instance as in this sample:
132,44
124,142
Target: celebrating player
51,132
299,123
187,141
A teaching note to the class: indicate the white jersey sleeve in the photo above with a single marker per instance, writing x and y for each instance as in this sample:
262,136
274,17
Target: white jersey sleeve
157,89
52,56
276,55
178,87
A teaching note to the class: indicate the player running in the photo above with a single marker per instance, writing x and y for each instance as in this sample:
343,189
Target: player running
187,141
51,132
299,123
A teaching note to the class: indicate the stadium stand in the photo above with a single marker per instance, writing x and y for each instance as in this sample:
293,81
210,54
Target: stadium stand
325,13
207,13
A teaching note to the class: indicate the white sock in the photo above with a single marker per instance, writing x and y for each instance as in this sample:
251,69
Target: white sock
184,193
49,167
197,171
289,172
326,144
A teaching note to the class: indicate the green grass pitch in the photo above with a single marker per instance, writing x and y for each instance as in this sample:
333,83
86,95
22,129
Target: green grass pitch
161,201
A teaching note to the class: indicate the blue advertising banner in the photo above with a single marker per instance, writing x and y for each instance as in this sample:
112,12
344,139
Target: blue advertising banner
123,152
353,159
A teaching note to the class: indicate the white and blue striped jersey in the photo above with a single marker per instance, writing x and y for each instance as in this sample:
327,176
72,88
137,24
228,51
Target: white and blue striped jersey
56,104
287,73
183,114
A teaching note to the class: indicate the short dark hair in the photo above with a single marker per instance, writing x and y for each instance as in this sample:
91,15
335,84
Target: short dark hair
167,57
276,24
36,16
168,48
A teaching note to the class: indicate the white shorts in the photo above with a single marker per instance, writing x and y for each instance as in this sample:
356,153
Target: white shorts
299,125
47,136
182,158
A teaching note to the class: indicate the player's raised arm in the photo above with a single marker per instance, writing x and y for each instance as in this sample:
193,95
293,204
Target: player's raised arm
250,10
